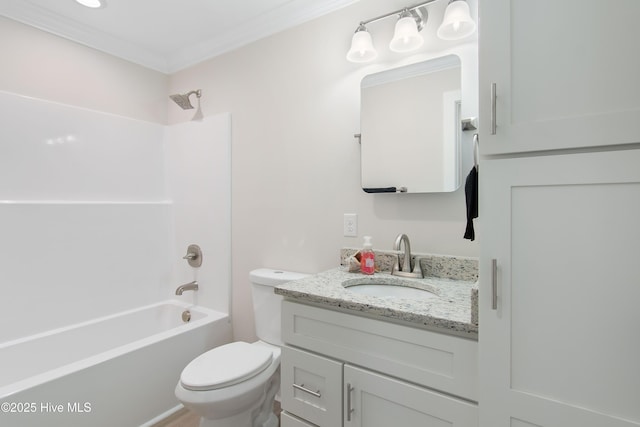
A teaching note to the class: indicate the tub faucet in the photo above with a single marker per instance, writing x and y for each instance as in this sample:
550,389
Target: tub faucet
406,269
191,286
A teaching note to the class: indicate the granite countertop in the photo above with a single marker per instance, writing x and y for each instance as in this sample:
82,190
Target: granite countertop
453,310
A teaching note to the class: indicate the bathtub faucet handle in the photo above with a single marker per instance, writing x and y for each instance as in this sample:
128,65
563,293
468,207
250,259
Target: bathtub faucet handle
194,256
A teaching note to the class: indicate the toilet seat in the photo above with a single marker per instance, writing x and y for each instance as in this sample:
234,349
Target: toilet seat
225,366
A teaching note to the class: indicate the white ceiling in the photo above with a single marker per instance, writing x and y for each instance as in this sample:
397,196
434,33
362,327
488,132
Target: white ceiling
167,35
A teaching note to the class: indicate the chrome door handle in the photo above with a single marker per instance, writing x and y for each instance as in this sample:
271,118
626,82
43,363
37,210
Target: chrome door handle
301,387
494,284
493,108
349,408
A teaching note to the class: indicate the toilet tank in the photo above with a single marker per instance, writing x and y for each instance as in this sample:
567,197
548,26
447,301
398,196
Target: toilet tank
266,304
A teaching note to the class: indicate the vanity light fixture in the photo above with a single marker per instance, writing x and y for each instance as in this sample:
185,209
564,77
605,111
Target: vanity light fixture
457,24
406,37
362,49
93,4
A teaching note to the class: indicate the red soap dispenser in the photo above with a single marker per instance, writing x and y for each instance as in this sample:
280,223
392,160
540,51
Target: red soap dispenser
367,257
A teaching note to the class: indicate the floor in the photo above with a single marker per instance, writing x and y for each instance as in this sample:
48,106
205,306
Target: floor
184,418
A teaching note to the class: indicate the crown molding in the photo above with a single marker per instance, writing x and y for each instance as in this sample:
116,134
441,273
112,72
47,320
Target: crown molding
288,15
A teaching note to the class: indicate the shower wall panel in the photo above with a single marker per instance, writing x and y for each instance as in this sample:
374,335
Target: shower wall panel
85,220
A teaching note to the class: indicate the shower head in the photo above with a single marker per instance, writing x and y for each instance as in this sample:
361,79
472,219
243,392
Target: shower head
183,99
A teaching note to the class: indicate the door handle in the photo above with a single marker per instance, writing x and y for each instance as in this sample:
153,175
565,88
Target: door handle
493,108
494,284
349,408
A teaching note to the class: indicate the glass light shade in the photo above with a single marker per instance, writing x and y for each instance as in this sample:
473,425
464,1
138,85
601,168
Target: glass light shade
457,22
406,36
94,4
362,49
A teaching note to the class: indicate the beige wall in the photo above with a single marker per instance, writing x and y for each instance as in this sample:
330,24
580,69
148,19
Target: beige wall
294,102
41,65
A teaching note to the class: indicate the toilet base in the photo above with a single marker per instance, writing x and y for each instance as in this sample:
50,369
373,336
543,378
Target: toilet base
260,416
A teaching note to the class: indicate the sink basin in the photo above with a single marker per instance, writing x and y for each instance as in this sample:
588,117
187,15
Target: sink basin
390,289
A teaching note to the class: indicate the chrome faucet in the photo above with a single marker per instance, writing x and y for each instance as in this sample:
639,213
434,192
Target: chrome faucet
191,286
407,270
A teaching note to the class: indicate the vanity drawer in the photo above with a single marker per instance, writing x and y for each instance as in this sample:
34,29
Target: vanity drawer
287,420
311,387
435,360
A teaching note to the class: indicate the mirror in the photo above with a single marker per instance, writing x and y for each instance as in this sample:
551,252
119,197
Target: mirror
410,128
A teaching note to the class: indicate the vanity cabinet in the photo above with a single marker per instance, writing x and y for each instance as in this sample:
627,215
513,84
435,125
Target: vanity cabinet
375,400
565,74
340,369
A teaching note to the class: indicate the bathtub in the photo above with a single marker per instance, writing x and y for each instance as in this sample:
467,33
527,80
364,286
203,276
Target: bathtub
119,370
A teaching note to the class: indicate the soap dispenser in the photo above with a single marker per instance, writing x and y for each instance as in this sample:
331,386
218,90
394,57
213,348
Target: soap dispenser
367,257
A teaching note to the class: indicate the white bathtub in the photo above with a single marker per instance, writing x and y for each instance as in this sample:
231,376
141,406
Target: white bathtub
118,370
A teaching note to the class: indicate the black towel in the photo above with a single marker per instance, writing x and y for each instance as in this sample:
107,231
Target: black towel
471,194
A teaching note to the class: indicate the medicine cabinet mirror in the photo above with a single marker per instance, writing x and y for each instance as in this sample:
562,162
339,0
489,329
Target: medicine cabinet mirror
410,128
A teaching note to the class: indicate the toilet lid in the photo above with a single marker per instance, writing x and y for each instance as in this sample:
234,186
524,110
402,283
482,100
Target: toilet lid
225,366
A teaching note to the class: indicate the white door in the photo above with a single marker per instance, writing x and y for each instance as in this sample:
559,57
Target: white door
566,74
374,400
562,347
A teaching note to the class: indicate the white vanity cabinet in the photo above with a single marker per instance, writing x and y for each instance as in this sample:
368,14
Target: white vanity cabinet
375,400
340,369
565,74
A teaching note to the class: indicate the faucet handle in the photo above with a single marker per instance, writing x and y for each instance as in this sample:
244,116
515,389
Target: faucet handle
194,256
417,268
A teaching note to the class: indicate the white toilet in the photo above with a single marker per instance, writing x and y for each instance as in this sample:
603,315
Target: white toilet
234,385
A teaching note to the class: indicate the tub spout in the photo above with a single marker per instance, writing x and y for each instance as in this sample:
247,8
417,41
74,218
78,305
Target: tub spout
191,286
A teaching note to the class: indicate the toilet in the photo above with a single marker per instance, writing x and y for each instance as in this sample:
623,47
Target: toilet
235,385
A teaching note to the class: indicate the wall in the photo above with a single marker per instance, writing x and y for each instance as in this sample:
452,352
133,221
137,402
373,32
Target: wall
295,164
45,66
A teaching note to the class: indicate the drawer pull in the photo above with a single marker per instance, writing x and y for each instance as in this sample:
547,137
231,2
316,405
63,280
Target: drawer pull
301,387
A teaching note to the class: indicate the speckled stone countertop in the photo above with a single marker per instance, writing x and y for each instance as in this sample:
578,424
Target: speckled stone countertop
450,311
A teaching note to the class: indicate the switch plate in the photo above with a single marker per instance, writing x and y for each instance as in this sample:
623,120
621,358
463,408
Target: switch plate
350,225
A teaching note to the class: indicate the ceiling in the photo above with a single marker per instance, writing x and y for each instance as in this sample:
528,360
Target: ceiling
167,35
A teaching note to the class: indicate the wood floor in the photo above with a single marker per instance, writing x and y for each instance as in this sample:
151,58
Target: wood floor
184,418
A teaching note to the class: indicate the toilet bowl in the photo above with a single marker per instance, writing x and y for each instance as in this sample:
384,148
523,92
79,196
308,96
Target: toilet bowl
237,398
235,385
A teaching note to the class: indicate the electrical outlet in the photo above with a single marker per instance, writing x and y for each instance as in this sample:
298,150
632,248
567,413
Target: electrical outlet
350,225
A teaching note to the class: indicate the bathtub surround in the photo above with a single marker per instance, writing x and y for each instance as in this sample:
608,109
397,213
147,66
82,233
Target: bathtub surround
79,240
198,170
97,211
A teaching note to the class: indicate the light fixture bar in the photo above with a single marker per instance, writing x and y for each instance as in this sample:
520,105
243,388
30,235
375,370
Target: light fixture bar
397,12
